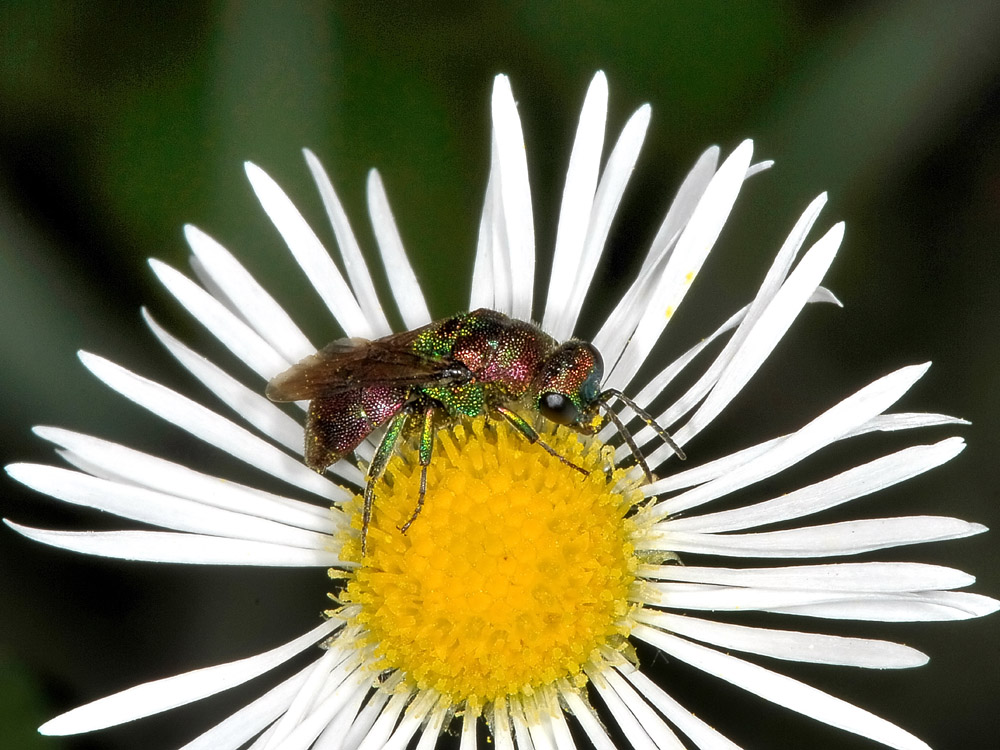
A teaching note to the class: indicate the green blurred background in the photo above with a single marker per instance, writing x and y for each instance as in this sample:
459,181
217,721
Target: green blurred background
118,124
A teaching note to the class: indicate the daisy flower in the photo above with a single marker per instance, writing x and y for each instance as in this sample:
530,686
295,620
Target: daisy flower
516,599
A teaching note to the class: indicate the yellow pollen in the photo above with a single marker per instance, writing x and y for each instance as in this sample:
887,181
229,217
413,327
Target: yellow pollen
515,573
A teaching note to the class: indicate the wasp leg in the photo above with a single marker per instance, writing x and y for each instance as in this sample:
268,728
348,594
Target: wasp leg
532,437
425,449
377,467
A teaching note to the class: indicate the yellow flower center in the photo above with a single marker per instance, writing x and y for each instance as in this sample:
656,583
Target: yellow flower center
517,569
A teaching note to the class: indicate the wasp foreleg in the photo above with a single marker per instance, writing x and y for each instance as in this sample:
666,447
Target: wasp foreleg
532,436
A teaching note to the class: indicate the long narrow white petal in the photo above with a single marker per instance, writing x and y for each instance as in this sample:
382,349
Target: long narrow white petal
257,307
210,427
850,413
337,731
239,727
814,648
310,254
482,292
896,607
783,690
845,538
501,728
161,695
169,547
306,731
860,577
236,335
402,279
516,197
712,469
350,250
577,199
618,328
933,606
376,737
848,485
585,716
703,736
681,269
143,470
606,200
651,722
251,405
767,331
365,720
769,288
159,508
627,722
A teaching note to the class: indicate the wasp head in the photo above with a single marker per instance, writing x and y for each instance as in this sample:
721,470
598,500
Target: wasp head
568,385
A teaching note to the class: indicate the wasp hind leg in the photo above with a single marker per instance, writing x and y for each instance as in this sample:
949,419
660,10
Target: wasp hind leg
376,468
533,437
425,449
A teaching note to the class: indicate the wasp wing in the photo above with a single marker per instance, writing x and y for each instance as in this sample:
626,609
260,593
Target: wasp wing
351,364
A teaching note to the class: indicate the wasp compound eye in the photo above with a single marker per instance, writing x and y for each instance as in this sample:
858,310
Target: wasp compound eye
559,408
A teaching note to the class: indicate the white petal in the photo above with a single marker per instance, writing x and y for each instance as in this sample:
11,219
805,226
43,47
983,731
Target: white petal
850,413
769,288
195,549
848,485
310,254
256,306
211,427
692,248
587,719
703,736
159,508
705,472
767,331
365,720
469,723
651,722
783,690
845,538
236,335
350,251
482,294
161,695
894,607
338,730
618,328
934,606
143,470
606,200
249,404
521,733
814,648
578,198
434,726
501,728
239,727
376,737
402,279
306,731
414,716
320,672
516,197
626,721
859,577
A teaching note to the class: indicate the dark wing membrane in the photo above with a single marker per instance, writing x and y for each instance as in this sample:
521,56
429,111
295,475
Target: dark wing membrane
349,364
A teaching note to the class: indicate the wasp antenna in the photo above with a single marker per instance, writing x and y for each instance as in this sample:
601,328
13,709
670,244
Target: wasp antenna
628,439
645,417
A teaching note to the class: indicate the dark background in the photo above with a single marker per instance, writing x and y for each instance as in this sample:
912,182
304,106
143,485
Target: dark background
118,124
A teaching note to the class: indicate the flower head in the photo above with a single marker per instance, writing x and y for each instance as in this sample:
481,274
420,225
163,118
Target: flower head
541,553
